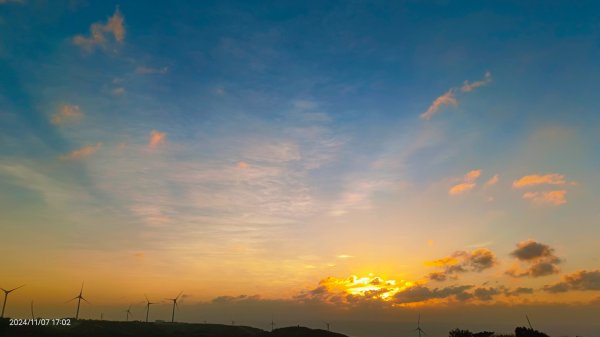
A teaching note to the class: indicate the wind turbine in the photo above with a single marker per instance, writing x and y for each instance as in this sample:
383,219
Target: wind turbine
79,298
175,305
419,327
6,292
528,322
327,323
148,303
272,324
128,311
32,315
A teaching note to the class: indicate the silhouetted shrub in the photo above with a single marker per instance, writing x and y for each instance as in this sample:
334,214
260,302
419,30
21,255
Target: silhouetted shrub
460,333
483,334
527,332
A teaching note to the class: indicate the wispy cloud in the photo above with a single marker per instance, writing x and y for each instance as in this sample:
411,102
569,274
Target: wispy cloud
98,31
449,98
156,138
120,91
142,70
468,183
537,179
492,181
554,198
467,87
67,113
83,152
538,257
446,99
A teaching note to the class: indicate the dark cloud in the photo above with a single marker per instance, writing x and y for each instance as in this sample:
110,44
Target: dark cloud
580,280
422,293
437,276
518,291
530,250
485,294
482,259
539,257
560,287
233,299
462,262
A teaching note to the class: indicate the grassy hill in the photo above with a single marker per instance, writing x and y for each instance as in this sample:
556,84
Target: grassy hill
92,328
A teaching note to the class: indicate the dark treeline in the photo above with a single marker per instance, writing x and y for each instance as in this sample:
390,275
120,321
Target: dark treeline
94,328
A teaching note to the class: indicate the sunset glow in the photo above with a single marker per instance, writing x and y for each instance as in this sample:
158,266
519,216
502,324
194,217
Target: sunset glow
347,161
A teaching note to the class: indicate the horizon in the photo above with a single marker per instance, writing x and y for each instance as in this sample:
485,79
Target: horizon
359,162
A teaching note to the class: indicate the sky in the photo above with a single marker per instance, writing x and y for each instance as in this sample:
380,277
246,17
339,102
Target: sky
345,161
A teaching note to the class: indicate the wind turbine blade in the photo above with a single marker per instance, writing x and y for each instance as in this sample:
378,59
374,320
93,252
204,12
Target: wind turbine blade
180,293
85,300
16,288
74,298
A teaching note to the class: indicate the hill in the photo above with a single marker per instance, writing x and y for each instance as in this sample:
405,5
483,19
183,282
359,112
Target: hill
93,328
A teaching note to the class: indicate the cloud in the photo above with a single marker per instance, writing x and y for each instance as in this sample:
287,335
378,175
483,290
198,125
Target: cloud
461,262
67,113
449,98
119,91
467,87
580,280
359,194
83,152
421,293
536,179
344,256
485,294
468,183
539,257
243,165
518,291
141,70
555,198
531,250
492,181
446,99
461,188
98,31
156,138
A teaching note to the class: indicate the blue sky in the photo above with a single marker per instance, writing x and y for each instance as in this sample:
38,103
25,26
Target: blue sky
287,143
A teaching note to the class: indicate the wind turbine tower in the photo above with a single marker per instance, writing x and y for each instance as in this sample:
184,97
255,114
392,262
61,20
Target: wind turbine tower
528,322
175,305
128,313
148,304
79,298
6,292
327,323
419,327
32,315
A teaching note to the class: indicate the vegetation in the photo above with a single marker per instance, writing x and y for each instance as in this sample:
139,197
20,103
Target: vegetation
527,332
92,328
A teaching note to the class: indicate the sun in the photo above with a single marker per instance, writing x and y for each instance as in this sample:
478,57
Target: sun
371,286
